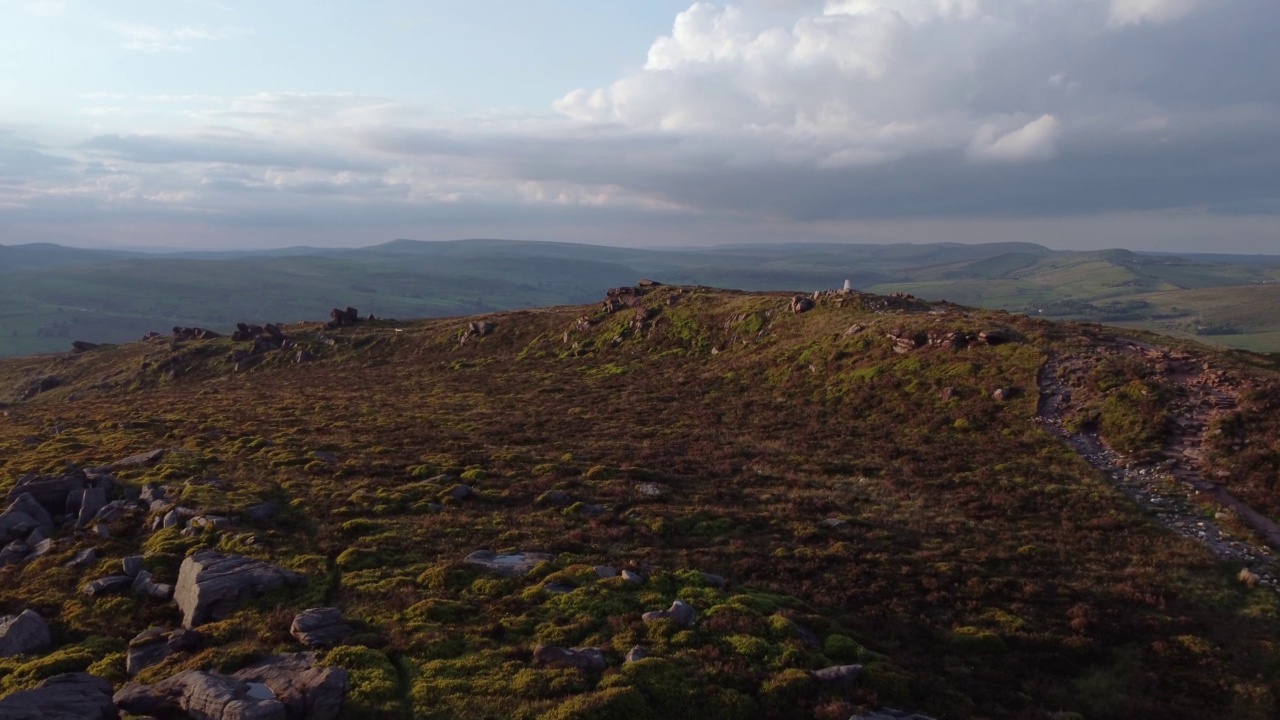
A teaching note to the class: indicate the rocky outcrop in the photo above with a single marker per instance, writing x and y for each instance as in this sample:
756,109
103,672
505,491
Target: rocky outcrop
320,627
801,304
283,687
73,696
193,333
211,584
200,695
680,613
307,691
23,634
585,659
342,318
838,674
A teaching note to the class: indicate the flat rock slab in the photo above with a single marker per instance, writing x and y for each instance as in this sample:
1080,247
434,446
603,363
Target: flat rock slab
585,659
510,565
211,585
73,696
23,634
151,457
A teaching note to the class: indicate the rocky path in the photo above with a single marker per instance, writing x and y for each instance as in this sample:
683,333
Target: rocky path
1165,492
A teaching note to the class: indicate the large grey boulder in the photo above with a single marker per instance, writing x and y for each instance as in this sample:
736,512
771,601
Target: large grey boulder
320,627
211,584
200,695
24,633
73,696
308,692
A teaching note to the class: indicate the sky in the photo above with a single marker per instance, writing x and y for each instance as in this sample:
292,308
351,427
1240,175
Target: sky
1078,124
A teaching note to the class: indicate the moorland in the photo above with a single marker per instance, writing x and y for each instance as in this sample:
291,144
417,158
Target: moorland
864,500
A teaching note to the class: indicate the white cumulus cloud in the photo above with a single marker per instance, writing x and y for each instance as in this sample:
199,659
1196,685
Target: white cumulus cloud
1035,141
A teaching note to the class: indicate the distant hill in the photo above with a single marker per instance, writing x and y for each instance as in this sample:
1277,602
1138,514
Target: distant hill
52,295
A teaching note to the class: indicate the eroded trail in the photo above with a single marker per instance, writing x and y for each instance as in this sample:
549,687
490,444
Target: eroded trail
1165,492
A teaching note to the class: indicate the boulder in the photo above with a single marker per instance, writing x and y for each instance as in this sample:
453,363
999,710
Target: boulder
144,585
29,506
262,512
320,627
23,634
16,524
584,659
132,565
91,502
50,492
72,696
211,584
107,585
199,695
82,558
308,692
510,565
632,577
635,654
838,674
14,553
801,304
680,613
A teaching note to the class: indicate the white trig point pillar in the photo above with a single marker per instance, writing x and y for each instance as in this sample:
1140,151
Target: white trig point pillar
848,287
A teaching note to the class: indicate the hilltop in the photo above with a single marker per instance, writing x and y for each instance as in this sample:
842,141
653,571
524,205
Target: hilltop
755,504
51,296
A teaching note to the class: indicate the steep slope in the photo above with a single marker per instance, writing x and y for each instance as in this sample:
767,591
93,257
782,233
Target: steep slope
852,480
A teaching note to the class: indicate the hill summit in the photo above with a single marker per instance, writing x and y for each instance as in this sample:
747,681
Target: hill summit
676,502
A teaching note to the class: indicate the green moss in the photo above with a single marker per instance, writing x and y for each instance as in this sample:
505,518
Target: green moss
842,649
610,704
375,687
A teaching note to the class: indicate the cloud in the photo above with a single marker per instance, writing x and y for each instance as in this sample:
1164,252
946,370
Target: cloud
782,114
1136,12
152,38
1035,141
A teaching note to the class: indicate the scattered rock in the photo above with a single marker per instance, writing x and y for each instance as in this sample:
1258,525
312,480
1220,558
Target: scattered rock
71,696
481,329
632,577
29,506
82,558
211,584
320,627
801,304
151,647
50,492
605,571
650,490
108,585
837,674
1002,394
510,565
194,333
681,614
144,585
635,654
132,565
834,523
23,634
585,659
458,492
